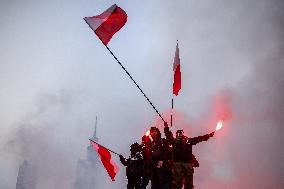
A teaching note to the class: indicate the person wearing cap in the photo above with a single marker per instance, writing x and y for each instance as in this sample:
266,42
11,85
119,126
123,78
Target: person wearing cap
134,166
183,161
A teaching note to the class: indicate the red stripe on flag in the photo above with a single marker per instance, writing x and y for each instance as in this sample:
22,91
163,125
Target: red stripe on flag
105,156
108,23
177,80
177,73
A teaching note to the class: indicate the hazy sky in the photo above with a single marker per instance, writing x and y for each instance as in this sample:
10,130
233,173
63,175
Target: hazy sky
56,76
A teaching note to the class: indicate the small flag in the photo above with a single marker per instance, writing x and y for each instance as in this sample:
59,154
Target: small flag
105,156
177,73
108,23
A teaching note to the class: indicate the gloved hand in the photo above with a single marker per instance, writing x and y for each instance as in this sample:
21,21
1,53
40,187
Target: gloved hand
166,124
212,134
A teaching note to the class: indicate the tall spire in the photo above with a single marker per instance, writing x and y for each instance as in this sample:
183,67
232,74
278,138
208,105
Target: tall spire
27,176
95,131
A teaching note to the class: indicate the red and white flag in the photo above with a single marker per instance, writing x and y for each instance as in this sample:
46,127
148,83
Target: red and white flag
105,156
177,73
108,23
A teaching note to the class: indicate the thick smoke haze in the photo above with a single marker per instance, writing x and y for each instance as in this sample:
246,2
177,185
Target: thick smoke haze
56,77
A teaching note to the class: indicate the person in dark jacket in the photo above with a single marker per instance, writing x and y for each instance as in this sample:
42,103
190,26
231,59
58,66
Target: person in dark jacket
134,166
183,161
159,161
146,151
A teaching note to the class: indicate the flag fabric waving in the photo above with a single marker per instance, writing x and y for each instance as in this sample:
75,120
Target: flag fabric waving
105,156
108,23
177,73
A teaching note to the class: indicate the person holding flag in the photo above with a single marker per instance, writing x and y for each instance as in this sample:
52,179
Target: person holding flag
183,157
105,25
134,166
146,151
160,172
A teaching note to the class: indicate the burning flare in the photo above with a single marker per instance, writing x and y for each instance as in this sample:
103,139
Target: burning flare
147,133
219,125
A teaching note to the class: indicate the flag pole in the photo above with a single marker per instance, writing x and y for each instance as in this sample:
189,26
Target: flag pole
105,44
135,82
105,148
172,103
172,111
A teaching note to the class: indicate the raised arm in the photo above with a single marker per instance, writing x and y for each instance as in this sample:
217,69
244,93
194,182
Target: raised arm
123,160
198,139
169,135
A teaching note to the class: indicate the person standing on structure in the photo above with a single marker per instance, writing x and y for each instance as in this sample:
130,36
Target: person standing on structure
183,166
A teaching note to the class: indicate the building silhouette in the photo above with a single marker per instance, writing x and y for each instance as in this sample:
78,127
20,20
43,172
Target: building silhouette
86,168
27,176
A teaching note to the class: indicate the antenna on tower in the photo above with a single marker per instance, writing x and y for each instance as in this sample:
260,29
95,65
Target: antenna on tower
95,131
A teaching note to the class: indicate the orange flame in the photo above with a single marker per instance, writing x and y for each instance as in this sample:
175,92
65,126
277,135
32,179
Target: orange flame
147,133
219,125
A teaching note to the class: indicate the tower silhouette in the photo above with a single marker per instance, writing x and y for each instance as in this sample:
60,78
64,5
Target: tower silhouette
86,168
27,176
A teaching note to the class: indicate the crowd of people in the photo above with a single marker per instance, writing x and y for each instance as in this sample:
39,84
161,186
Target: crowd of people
167,162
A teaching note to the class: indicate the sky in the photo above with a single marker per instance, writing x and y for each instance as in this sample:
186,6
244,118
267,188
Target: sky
56,77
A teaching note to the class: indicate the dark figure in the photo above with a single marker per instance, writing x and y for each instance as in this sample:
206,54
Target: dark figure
134,166
183,159
159,161
146,151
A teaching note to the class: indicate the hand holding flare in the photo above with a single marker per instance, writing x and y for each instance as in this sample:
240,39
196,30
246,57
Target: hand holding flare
147,133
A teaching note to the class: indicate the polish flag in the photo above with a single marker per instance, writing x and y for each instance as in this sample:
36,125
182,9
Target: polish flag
177,73
105,156
108,23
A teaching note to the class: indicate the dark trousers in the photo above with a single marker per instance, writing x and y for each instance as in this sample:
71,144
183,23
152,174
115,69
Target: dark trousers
161,178
182,175
145,179
134,182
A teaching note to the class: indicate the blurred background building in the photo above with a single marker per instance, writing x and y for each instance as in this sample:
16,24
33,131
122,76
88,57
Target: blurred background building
86,168
27,176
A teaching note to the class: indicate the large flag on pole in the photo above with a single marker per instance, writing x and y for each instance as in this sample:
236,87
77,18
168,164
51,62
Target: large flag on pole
105,156
177,73
108,23
105,26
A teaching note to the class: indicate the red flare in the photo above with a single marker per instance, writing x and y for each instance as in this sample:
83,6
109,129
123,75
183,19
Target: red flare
219,125
147,133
